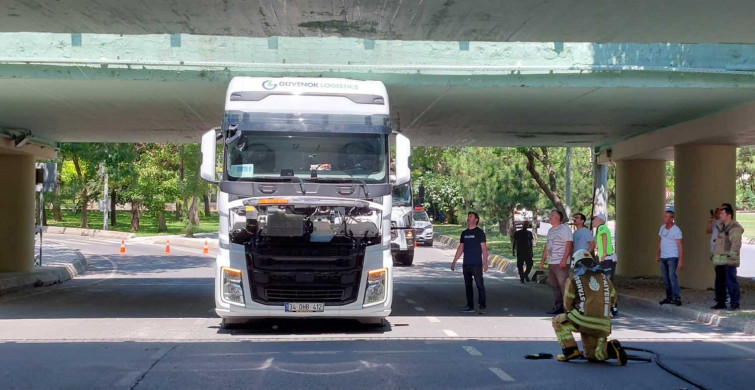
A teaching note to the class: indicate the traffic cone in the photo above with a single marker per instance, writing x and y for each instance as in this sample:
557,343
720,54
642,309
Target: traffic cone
205,250
167,247
123,246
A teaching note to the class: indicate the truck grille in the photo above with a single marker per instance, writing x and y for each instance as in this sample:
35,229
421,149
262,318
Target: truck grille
292,271
304,295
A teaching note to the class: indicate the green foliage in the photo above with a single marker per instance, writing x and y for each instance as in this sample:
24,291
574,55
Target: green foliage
148,225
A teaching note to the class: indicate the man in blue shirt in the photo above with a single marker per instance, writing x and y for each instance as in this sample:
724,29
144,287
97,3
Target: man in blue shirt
473,244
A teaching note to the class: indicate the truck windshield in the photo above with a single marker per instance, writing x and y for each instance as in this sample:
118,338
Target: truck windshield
402,196
331,155
421,216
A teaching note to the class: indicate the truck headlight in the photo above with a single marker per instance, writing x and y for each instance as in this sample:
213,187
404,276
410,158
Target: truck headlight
409,234
375,293
232,286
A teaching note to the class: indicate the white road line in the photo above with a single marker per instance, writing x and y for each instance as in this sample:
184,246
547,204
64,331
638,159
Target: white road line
411,301
433,319
112,273
472,350
419,308
450,333
502,374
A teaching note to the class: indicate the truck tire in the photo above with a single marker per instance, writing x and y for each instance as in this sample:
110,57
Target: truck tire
406,258
232,323
376,322
429,242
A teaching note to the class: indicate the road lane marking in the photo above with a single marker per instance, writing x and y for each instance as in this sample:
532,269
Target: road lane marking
472,350
112,273
433,319
502,374
411,301
419,308
450,333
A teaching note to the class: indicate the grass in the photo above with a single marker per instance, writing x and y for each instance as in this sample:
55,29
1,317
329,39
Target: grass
497,244
147,222
748,223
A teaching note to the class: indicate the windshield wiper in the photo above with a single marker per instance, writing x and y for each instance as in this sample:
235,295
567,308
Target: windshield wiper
361,182
279,179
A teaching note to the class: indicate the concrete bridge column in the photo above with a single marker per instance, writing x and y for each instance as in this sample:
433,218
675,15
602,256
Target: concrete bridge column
704,177
17,212
640,188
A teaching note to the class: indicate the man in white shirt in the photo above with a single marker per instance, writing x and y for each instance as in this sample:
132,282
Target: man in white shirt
557,252
669,256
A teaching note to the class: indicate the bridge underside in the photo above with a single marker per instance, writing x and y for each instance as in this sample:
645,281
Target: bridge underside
170,88
127,110
725,21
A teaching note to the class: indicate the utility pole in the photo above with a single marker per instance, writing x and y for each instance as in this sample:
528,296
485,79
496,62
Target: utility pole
105,191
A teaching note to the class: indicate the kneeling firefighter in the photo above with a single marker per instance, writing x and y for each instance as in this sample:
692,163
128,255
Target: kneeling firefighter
588,299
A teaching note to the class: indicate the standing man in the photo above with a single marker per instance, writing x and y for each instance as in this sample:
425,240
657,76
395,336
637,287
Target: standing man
522,249
669,256
558,249
583,239
604,253
473,244
726,258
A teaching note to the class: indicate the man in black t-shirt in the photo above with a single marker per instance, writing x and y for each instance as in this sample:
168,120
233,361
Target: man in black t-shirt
522,248
473,244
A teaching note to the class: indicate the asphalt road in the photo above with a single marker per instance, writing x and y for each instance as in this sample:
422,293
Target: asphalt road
144,320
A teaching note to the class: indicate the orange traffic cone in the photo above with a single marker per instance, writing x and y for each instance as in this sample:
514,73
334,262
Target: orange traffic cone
167,246
123,246
206,250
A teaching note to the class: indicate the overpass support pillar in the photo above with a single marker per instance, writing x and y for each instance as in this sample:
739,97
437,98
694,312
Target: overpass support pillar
640,189
704,177
16,212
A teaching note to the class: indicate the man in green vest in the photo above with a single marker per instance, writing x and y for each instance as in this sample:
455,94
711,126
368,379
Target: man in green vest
604,250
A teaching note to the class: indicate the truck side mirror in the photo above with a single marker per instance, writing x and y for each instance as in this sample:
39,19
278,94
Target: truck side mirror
209,146
403,157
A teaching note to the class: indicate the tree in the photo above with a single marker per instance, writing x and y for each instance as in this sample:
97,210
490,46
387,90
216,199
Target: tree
539,160
157,181
85,158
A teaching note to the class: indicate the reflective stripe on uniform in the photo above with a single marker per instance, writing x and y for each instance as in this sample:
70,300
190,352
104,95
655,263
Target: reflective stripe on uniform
600,349
590,322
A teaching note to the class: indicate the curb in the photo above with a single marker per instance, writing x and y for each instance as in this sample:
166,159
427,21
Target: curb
498,262
43,276
707,318
196,243
87,232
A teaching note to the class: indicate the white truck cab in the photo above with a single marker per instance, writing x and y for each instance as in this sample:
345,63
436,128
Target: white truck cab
305,199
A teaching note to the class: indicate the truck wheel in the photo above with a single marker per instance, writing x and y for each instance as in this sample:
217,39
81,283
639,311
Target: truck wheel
406,259
232,323
429,242
377,322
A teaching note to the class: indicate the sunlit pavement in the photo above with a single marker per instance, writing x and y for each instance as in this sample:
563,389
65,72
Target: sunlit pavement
145,320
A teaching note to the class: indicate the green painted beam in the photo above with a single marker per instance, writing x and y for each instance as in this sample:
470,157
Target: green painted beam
158,57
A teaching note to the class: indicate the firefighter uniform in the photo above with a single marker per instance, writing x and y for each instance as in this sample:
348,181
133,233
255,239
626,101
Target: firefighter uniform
588,298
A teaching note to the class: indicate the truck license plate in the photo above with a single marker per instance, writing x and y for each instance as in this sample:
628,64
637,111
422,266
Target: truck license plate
305,307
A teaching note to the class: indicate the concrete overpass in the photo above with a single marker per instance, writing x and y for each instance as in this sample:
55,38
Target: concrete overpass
628,79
